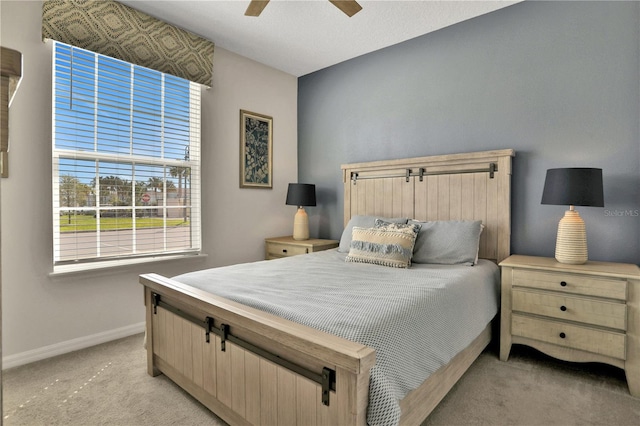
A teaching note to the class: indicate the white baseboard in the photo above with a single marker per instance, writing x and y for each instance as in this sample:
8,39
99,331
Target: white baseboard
70,346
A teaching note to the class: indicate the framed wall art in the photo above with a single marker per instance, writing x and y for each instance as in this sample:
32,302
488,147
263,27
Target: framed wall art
256,145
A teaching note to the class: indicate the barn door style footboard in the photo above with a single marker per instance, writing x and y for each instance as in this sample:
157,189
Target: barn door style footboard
250,367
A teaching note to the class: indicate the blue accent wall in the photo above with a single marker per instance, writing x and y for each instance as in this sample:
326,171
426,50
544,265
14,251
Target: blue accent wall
559,82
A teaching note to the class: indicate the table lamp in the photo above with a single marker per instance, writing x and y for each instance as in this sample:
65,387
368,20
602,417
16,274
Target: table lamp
573,187
301,194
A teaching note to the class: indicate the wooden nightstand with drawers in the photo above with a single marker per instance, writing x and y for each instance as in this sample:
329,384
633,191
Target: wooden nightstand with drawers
278,247
579,313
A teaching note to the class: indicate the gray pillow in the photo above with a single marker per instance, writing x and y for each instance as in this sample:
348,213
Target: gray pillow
362,222
448,242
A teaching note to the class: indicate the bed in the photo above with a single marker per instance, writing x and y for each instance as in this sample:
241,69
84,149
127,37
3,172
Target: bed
252,360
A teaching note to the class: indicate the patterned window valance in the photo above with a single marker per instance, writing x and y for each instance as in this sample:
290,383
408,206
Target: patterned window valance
119,31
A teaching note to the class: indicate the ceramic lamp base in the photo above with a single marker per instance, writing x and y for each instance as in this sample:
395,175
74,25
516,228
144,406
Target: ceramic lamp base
301,225
571,241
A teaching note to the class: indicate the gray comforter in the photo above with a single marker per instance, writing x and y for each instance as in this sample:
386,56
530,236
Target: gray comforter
416,319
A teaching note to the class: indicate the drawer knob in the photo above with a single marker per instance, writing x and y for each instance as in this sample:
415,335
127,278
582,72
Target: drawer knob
562,335
563,283
563,308
284,250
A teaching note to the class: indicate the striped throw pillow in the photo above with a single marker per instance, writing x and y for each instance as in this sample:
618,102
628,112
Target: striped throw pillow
386,246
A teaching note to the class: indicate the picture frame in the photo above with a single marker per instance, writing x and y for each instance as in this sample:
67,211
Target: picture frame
256,150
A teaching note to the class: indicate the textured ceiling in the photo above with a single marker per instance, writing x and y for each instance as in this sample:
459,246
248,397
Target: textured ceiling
303,36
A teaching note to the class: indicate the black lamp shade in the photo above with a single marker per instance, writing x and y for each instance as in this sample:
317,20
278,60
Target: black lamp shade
301,194
573,186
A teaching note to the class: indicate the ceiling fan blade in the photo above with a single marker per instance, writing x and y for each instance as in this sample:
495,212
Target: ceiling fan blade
349,7
255,7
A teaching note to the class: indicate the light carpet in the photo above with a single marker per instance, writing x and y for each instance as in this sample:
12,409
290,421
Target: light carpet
108,385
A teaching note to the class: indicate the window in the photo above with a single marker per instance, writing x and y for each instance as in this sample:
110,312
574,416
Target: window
126,160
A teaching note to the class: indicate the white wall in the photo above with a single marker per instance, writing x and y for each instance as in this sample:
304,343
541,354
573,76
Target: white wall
44,315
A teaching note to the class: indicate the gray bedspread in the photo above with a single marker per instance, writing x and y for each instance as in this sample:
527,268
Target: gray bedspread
416,319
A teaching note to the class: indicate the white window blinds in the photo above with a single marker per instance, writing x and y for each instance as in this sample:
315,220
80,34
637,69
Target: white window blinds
126,160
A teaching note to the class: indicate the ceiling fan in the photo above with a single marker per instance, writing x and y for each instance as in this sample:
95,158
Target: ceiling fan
349,7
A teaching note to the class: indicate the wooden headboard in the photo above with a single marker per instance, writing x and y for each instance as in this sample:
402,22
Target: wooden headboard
466,186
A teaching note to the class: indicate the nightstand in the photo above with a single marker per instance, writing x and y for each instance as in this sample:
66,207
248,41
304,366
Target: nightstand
278,247
579,313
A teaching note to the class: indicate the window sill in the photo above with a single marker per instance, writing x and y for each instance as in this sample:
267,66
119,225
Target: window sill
117,264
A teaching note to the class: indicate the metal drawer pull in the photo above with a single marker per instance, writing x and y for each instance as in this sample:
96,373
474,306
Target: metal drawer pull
563,308
562,335
563,283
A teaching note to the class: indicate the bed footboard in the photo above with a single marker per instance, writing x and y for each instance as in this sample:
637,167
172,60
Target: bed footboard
250,367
